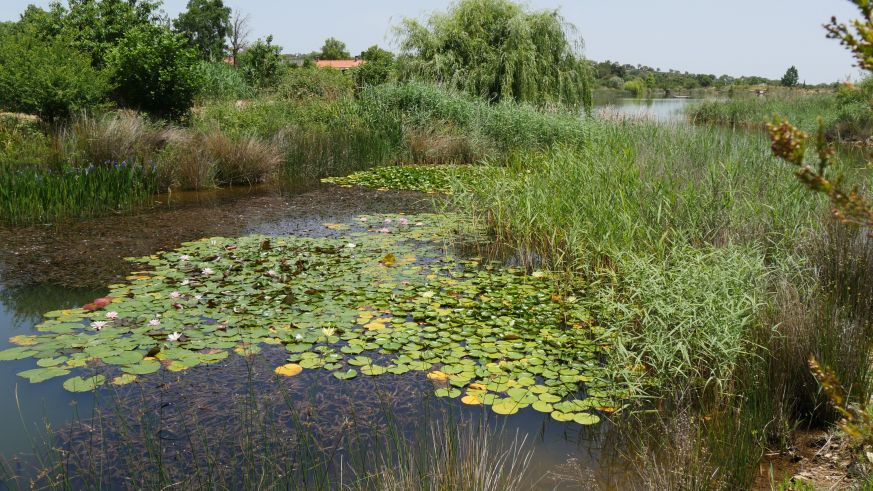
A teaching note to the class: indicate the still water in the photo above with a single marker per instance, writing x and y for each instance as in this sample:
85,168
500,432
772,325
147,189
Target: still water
661,110
45,267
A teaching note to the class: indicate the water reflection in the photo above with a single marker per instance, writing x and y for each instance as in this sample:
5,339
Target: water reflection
660,110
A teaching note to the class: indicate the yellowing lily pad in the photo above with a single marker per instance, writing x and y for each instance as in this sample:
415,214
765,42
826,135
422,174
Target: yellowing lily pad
289,370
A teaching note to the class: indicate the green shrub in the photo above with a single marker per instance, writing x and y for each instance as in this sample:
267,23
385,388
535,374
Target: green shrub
155,71
636,87
261,63
220,81
44,76
315,83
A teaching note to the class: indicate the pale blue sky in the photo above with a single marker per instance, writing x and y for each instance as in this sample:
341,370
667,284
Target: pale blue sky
737,37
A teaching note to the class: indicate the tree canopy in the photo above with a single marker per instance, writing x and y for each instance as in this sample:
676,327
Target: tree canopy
791,77
498,50
206,25
334,49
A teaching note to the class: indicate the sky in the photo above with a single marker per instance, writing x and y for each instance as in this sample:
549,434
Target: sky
734,37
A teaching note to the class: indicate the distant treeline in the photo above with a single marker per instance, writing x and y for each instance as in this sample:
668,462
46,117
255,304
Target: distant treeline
612,74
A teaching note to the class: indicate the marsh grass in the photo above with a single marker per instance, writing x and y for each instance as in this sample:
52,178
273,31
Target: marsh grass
29,195
256,445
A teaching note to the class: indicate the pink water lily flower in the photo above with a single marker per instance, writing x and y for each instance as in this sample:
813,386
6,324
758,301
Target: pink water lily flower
99,324
207,271
388,221
112,315
384,231
184,257
403,221
175,295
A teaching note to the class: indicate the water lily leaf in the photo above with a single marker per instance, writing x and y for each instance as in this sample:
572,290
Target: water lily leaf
289,370
38,375
562,417
52,362
504,406
359,361
471,400
18,353
437,376
348,374
23,340
144,367
549,397
373,370
124,379
543,407
586,418
79,384
451,393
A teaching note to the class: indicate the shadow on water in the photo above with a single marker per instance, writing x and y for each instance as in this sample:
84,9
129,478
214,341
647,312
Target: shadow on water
54,266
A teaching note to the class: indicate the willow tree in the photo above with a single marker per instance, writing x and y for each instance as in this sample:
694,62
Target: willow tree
498,50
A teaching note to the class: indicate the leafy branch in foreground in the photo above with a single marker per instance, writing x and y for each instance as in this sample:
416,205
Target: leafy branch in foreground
789,144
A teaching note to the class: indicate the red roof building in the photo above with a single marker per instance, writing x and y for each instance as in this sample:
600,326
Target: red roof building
339,64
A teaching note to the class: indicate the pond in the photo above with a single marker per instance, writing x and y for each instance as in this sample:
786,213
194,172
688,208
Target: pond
670,110
193,382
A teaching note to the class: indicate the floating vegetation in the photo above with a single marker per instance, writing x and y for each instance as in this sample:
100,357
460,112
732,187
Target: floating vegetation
423,178
384,299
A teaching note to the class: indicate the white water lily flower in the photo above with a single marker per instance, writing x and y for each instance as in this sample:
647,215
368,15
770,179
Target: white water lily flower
112,315
175,295
174,337
185,282
99,324
184,257
419,224
364,219
271,273
328,331
388,221
351,245
154,323
207,271
198,297
298,337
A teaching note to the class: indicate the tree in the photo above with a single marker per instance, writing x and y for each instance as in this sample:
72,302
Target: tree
498,50
261,62
334,49
791,77
97,26
206,24
238,34
378,69
46,77
154,70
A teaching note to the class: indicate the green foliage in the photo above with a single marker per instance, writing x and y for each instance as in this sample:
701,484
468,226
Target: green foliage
154,70
378,69
205,23
36,195
500,51
261,63
334,49
791,77
98,26
220,81
422,178
315,83
636,87
44,76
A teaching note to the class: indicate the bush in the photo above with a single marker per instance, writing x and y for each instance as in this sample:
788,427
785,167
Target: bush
636,87
316,83
261,63
220,81
153,70
46,77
